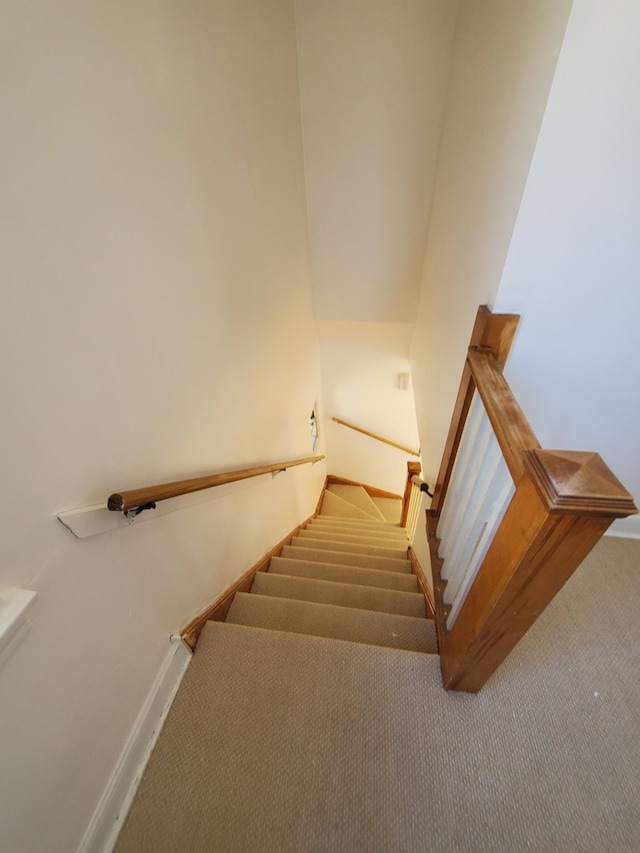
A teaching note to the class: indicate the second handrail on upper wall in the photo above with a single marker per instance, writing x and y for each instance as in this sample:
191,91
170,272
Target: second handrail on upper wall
377,437
125,500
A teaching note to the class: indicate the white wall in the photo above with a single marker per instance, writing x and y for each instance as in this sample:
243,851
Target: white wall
572,269
360,367
155,324
503,62
373,76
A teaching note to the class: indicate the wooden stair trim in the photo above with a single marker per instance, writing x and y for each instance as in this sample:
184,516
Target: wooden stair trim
423,584
490,331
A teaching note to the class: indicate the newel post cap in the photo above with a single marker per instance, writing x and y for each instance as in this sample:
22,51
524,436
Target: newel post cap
578,482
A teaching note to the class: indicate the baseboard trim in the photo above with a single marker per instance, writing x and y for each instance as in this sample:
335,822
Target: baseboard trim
626,528
107,820
423,583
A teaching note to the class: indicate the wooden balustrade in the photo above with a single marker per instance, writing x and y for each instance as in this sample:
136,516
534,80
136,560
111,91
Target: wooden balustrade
413,470
563,503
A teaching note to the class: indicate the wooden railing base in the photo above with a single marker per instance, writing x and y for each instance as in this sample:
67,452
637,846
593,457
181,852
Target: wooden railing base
423,584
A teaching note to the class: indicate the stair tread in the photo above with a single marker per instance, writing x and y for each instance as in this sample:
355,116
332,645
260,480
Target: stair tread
303,709
344,574
333,504
328,620
357,496
397,553
389,508
357,522
343,594
345,526
323,554
388,540
354,538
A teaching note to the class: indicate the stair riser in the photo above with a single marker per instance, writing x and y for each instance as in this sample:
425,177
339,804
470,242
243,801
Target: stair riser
340,594
382,535
356,522
344,574
349,548
314,533
324,555
340,623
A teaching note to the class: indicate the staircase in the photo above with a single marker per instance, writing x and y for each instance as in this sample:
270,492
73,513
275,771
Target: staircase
291,729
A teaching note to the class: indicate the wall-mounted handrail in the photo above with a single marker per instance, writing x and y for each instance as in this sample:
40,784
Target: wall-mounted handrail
377,437
120,501
560,504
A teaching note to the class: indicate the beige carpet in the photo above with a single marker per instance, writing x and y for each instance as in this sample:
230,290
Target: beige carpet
278,742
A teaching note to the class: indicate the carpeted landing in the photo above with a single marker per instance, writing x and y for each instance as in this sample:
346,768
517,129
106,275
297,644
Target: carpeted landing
282,741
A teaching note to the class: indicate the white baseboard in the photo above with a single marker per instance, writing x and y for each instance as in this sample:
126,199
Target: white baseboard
629,528
114,804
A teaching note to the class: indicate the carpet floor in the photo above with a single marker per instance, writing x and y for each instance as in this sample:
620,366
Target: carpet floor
280,742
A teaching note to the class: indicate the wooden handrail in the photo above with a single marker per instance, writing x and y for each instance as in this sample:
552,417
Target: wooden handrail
120,501
377,437
510,426
495,332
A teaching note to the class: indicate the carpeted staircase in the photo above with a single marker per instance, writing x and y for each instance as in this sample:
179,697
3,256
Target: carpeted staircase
282,734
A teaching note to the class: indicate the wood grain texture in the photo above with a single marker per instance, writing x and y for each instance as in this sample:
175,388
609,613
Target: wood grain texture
563,503
490,331
120,501
509,424
561,508
578,482
441,611
377,437
413,470
423,584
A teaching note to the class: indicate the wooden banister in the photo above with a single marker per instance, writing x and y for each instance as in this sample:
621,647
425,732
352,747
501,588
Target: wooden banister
413,470
120,501
495,332
507,419
563,503
377,437
562,506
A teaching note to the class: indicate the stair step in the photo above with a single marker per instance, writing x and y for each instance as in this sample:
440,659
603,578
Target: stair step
350,547
342,594
380,532
255,750
333,504
343,574
389,508
354,538
323,554
360,523
327,620
357,496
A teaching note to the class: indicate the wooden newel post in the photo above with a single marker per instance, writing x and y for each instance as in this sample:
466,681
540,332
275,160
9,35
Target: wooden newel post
413,468
562,505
